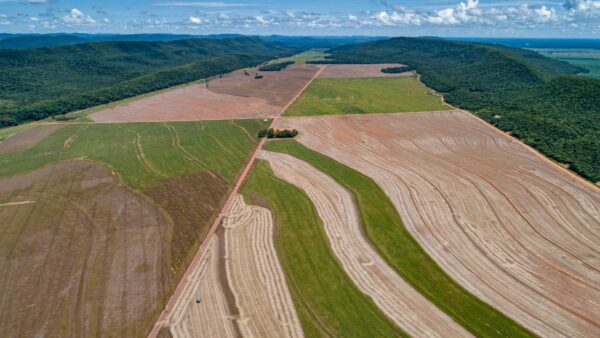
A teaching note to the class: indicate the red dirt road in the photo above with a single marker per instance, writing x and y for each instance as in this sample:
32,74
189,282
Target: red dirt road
163,318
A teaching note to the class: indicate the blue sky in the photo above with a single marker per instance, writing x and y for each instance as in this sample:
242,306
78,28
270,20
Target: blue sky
476,18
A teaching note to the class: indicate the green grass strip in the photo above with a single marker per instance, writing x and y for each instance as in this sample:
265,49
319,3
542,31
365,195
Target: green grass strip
337,96
386,232
327,301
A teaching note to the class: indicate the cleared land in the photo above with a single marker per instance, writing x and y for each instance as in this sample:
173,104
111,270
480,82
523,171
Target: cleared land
327,301
26,138
334,204
212,317
366,70
241,261
509,226
365,96
383,227
234,96
181,173
85,256
255,276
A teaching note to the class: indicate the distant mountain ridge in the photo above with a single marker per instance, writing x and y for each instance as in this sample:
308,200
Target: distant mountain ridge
26,41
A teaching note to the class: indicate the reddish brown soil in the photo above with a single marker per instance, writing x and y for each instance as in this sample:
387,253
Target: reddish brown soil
85,257
277,88
373,70
27,138
234,96
511,227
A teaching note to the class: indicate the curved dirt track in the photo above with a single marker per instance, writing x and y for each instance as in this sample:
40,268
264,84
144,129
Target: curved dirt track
211,317
508,225
398,300
242,256
255,275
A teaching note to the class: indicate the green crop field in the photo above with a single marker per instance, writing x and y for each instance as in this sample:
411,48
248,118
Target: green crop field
325,298
395,244
144,154
584,58
365,96
309,55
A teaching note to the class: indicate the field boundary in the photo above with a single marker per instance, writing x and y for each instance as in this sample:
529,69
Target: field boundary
185,279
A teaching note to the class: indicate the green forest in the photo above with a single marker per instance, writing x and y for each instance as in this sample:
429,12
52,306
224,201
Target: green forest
535,98
41,82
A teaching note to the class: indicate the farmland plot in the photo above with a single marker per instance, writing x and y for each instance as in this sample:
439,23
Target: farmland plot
511,227
234,96
398,300
241,261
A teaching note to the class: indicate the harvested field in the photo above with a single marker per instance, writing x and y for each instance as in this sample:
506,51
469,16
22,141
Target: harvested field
255,276
362,70
342,96
388,235
276,88
327,301
212,316
86,259
235,96
511,227
242,256
27,139
398,300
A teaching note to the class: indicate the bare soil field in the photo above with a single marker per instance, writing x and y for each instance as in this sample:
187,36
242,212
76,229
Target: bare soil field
255,275
368,70
212,317
80,255
276,88
334,204
239,282
27,139
508,225
235,96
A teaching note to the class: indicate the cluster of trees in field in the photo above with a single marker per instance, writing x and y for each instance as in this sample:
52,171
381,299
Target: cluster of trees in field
535,98
278,133
396,70
41,82
275,67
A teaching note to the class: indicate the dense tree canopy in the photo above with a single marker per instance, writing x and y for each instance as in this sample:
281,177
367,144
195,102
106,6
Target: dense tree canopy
41,82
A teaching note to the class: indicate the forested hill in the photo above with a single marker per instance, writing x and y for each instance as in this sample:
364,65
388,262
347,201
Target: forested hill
535,98
40,82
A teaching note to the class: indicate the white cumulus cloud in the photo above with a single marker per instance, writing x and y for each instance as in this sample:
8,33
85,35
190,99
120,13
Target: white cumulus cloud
195,20
76,17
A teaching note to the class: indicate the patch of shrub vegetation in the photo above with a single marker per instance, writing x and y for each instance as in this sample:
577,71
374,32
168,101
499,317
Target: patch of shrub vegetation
258,76
396,70
278,133
44,82
538,99
275,67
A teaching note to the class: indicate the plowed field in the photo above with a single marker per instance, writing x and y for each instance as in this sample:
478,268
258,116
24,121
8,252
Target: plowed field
398,300
510,226
234,96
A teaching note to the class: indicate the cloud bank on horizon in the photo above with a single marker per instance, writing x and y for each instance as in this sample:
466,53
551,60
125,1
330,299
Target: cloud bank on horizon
536,18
